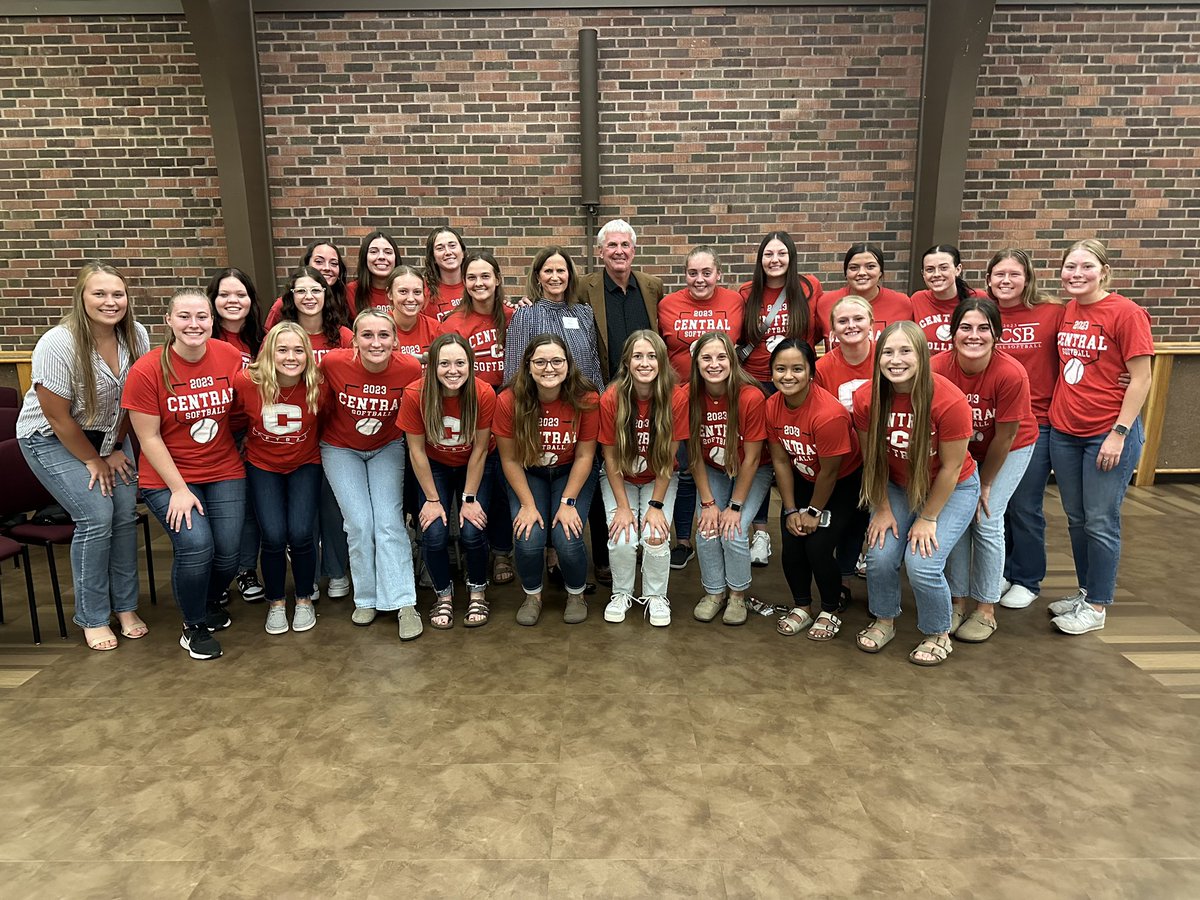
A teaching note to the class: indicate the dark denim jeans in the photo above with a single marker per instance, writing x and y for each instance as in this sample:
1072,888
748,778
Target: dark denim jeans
285,506
451,481
547,485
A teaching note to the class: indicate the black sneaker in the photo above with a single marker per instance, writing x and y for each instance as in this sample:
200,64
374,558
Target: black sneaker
681,554
224,601
217,619
199,643
250,587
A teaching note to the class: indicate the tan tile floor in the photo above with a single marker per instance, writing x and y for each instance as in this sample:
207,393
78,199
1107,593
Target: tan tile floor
616,760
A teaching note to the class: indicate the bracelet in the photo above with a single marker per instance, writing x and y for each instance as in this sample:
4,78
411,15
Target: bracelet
932,519
709,505
790,512
434,500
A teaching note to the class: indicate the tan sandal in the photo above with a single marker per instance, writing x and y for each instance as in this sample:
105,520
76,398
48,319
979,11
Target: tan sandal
936,648
825,628
502,570
99,641
530,611
134,630
878,634
794,622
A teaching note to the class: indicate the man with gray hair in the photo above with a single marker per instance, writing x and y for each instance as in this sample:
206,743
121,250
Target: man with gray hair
622,299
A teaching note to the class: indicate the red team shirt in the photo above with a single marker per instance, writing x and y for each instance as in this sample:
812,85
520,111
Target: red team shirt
758,363
232,337
281,436
682,321
321,345
820,426
840,378
487,345
888,306
1094,343
752,426
949,420
556,422
359,408
417,341
194,420
455,448
1000,393
444,302
933,317
643,474
1031,338
378,299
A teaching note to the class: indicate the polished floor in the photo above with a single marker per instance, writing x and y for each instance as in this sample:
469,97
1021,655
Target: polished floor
615,760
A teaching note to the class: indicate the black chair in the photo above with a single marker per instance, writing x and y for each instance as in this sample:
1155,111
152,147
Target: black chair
143,519
9,398
10,549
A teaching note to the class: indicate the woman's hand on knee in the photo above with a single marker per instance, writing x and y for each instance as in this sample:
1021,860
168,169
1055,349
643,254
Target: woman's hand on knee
881,524
623,521
656,528
527,517
431,511
568,518
179,510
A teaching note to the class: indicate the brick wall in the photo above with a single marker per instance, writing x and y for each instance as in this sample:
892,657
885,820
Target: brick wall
716,125
1088,125
105,152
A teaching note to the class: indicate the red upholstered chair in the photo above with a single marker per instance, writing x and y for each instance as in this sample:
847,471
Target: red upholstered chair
8,423
9,398
8,550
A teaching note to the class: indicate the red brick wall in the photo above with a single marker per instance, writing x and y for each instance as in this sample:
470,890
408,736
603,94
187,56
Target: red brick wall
1088,125
105,152
716,125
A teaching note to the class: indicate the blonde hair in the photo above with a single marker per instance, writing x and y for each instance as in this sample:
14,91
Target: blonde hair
1031,296
883,393
660,454
371,313
164,360
432,405
854,300
733,384
262,371
1098,250
76,322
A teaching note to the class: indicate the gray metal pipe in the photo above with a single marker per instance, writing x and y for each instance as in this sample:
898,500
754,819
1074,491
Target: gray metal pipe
589,134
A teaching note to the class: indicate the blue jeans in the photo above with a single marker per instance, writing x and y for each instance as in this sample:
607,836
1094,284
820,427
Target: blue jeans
369,485
205,555
926,575
1025,520
727,562
1091,498
251,539
976,563
104,566
547,485
451,481
330,534
285,506
685,497
499,524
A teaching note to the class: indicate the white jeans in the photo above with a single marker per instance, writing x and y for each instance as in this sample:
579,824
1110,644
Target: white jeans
622,552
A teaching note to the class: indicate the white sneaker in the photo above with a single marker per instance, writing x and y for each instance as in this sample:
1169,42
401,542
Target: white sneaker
1080,620
1017,597
1064,605
760,548
617,607
338,588
659,611
1005,584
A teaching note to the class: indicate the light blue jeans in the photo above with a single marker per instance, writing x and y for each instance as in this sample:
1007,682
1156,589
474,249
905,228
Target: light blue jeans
727,563
1025,521
104,565
926,575
976,563
622,553
1092,498
369,486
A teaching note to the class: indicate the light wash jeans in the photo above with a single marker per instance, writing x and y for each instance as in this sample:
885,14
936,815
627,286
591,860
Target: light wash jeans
976,563
369,486
622,553
926,575
1092,498
547,484
205,555
1025,521
727,563
104,566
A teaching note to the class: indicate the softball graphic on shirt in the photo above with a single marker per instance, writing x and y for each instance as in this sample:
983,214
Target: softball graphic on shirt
1079,345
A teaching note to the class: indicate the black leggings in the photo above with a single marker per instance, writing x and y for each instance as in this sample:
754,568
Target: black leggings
814,557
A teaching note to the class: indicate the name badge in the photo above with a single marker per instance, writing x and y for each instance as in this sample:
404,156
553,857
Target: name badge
570,322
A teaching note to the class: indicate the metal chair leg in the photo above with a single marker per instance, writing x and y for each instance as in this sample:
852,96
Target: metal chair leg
149,561
33,615
58,607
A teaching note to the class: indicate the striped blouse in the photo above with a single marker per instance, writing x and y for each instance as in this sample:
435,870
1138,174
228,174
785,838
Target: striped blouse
575,324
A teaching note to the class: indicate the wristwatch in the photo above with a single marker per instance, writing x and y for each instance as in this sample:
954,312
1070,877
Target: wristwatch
468,498
735,506
1120,429
568,501
813,511
655,504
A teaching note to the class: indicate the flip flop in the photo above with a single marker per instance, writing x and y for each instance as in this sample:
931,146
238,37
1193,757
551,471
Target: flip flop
94,643
138,629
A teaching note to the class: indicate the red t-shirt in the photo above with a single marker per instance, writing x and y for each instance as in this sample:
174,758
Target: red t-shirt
1094,343
281,436
643,474
274,314
933,317
1000,393
820,426
556,421
378,298
888,306
454,449
758,363
417,341
949,420
194,420
444,302
840,378
234,338
486,343
682,321
359,408
321,345
1031,338
751,424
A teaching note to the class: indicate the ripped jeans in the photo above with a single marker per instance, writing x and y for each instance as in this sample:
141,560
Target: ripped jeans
622,552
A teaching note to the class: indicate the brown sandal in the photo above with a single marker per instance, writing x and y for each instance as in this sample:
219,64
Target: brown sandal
441,616
502,570
937,648
877,634
478,607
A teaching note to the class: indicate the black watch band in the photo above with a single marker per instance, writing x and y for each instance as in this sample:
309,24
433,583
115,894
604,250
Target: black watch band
655,504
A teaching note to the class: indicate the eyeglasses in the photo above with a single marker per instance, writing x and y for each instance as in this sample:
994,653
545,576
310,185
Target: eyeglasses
557,363
308,292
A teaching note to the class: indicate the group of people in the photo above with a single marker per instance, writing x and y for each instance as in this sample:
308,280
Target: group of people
427,403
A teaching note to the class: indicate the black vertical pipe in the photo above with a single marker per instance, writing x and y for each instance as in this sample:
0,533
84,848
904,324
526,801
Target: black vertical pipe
589,133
